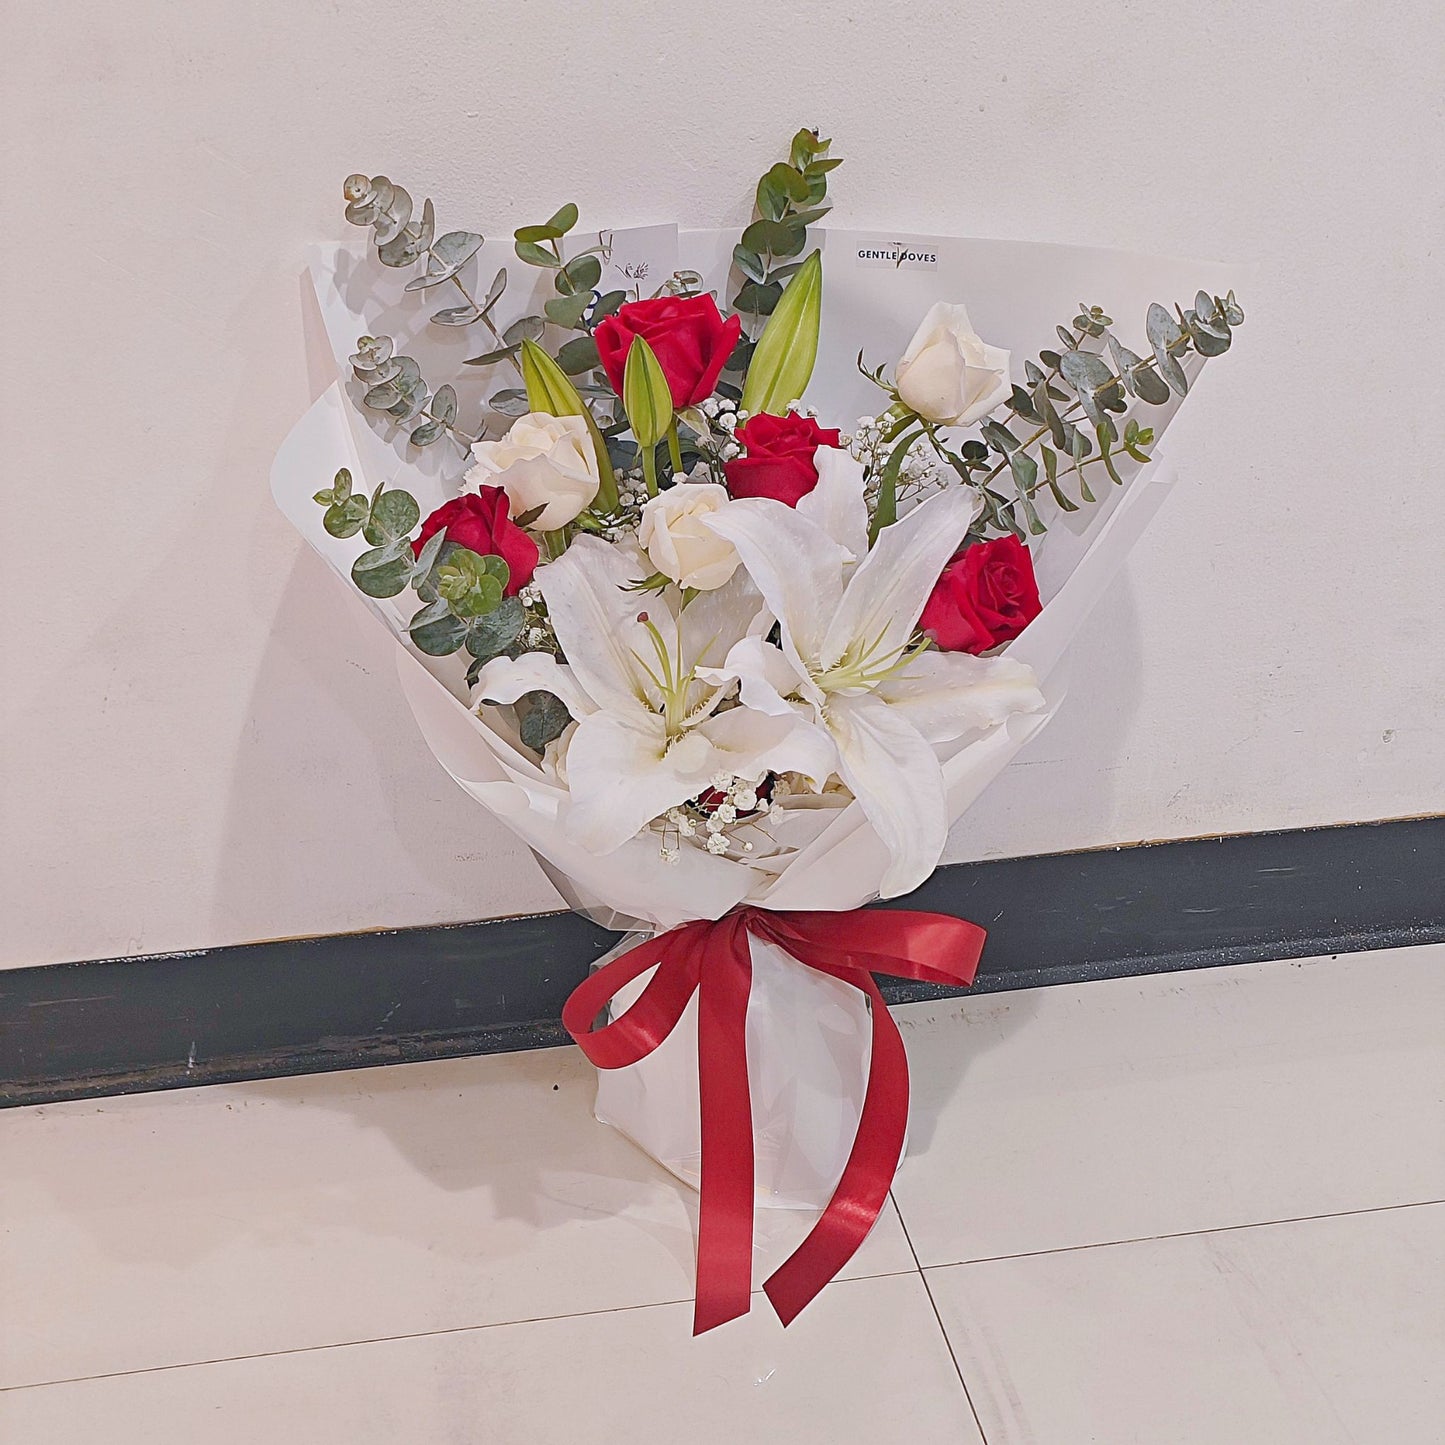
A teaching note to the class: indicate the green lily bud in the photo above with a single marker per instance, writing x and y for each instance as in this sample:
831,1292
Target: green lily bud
782,364
646,396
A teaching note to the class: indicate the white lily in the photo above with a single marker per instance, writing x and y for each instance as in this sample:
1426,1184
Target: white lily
849,663
642,681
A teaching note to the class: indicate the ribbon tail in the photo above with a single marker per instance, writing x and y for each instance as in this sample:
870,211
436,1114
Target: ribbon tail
725,1211
866,1179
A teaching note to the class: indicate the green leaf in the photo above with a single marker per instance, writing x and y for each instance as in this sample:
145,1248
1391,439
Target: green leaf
1164,335
549,390
543,718
646,397
491,358
483,596
1051,475
1105,432
497,630
885,512
535,255
749,263
552,230
344,519
782,363
524,328
568,311
1031,517
564,219
578,355
380,572
457,315
444,404
426,559
447,255
581,273
1148,385
341,485
392,516
609,305
435,631
803,148
771,238
771,200
1025,470
427,433
758,300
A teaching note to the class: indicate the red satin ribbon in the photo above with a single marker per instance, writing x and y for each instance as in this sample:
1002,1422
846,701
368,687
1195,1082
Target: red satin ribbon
712,960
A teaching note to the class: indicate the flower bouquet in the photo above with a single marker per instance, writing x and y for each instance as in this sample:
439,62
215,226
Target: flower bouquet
729,599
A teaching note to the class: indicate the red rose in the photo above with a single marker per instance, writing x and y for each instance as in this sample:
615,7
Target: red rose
481,524
987,595
687,334
779,460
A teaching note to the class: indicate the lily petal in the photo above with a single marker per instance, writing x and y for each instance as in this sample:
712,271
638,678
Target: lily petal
752,744
796,565
595,619
885,595
505,679
768,676
896,778
836,504
947,694
622,774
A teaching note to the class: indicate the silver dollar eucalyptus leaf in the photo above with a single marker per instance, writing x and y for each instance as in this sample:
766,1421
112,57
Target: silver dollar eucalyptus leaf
511,402
457,315
444,405
394,216
529,328
1164,334
1091,378
448,255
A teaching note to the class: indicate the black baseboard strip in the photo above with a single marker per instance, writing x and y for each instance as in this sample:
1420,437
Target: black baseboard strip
347,1001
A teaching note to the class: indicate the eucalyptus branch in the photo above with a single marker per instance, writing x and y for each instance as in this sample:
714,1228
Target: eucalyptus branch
1101,392
791,196
396,388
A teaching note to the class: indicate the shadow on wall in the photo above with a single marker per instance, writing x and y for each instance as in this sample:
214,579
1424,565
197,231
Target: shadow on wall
1059,793
331,779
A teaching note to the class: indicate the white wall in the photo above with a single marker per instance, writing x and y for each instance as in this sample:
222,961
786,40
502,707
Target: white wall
204,742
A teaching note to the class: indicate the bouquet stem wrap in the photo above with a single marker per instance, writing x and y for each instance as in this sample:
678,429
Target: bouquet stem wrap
711,959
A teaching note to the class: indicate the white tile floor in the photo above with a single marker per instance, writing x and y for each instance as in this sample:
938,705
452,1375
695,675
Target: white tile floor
1185,1210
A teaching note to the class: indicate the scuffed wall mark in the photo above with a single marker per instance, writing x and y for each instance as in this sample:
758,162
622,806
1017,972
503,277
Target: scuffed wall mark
191,1057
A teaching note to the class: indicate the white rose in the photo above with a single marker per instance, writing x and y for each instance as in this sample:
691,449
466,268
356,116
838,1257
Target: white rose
677,541
948,374
543,461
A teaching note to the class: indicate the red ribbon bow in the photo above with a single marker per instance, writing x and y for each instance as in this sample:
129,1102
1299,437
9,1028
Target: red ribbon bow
713,961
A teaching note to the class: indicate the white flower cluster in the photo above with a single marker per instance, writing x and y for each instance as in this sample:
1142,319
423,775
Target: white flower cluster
725,417
866,443
740,807
537,635
921,467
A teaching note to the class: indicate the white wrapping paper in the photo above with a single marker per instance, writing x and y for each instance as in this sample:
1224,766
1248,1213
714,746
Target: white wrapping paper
808,1035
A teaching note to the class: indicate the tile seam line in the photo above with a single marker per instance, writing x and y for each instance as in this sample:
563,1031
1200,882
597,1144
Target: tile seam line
406,1335
942,1328
1183,1234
